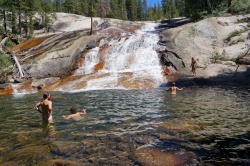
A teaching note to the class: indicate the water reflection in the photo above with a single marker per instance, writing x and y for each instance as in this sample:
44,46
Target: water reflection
210,123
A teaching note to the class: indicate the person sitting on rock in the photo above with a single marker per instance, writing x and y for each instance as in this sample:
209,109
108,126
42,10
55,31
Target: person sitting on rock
74,114
165,71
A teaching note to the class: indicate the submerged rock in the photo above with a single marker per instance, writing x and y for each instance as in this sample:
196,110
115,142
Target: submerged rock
34,155
149,156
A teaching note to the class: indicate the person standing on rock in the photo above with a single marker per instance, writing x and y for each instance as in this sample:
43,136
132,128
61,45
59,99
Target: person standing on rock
193,66
174,89
46,108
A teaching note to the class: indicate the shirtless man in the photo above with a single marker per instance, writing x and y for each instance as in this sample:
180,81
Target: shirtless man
174,88
74,114
46,106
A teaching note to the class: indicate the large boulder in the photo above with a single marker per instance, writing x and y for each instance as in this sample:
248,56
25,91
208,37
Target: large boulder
62,62
215,43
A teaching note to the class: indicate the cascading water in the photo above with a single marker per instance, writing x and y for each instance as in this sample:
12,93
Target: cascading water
90,60
132,63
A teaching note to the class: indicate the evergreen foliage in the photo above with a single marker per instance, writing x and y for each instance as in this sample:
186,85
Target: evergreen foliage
4,61
13,12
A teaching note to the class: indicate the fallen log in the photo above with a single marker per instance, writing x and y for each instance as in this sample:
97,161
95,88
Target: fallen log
15,59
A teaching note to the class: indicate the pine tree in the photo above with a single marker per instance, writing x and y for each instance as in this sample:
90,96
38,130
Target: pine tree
3,6
31,26
145,9
139,10
122,12
84,7
150,14
159,12
30,7
58,5
13,20
114,8
133,10
68,6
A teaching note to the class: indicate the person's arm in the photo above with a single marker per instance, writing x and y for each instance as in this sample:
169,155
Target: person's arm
38,105
179,88
50,107
83,112
66,117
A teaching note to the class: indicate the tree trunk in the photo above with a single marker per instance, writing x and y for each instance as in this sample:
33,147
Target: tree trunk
209,7
15,59
4,20
229,3
18,64
91,18
3,41
19,15
26,24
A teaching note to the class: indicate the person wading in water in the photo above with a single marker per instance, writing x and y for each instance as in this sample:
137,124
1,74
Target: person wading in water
46,108
174,89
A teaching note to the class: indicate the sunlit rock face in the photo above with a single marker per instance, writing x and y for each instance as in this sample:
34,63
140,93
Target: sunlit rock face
118,57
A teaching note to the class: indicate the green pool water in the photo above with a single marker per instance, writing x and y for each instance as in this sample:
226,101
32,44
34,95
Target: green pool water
212,123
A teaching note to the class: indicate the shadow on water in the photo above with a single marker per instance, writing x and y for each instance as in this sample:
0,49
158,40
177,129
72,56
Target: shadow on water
200,125
237,78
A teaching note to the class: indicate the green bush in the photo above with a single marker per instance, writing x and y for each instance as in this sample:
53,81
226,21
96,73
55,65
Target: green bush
248,24
9,43
4,61
216,57
233,34
1,29
197,16
240,6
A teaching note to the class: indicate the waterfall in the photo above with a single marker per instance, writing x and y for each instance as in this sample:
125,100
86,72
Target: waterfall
131,63
90,60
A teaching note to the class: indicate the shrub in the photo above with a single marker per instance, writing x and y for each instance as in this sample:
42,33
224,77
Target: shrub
233,34
1,29
240,6
4,61
216,57
248,24
9,43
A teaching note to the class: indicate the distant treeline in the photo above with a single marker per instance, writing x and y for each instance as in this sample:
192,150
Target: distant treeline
13,12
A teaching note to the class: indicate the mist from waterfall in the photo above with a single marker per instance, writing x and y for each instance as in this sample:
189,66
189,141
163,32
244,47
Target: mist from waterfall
132,60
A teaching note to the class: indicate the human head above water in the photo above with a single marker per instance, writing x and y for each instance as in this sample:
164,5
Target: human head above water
73,110
46,95
173,84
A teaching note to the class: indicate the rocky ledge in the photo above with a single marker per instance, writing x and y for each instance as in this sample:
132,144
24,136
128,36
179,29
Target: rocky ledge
220,46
